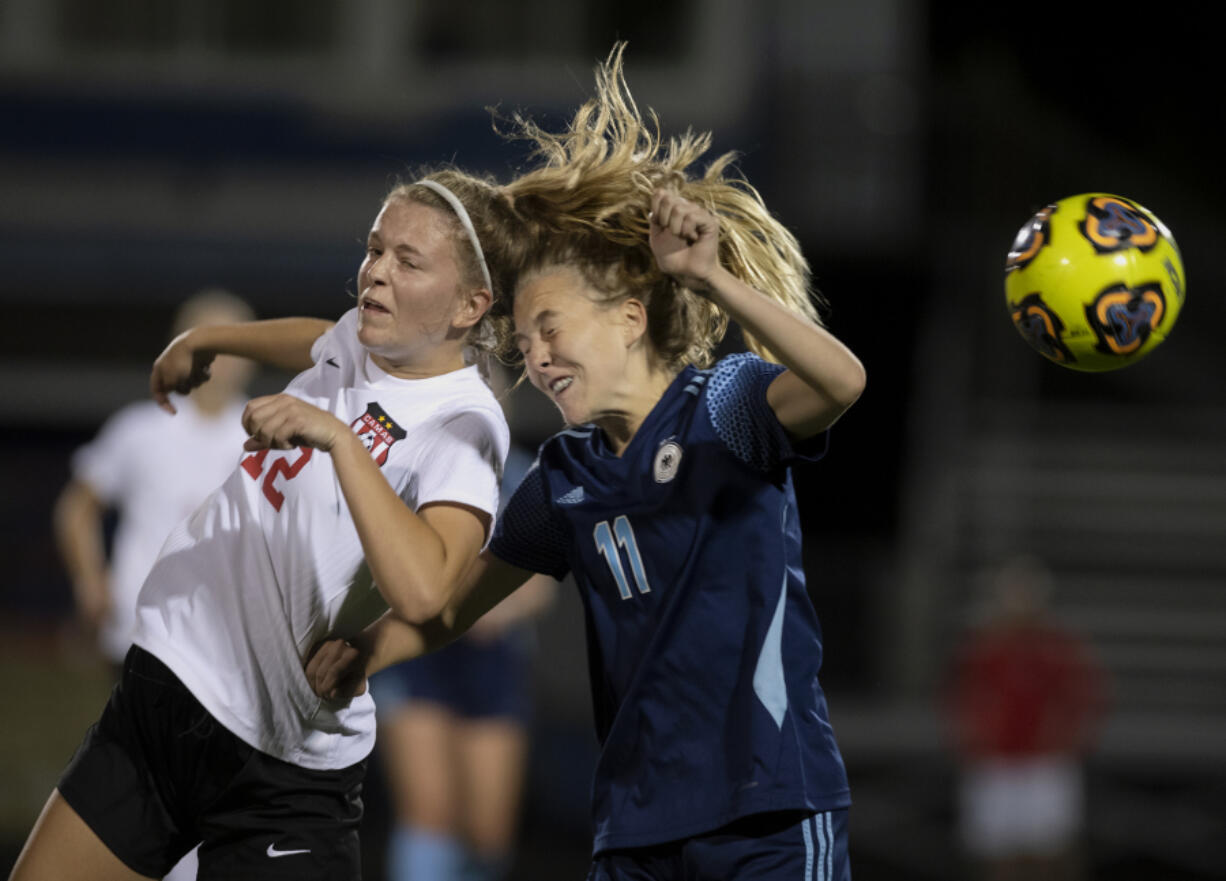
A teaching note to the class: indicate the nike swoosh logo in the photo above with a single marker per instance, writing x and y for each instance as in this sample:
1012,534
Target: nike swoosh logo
331,361
274,853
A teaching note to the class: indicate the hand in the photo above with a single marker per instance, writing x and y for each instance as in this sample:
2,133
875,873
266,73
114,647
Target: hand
684,239
336,670
180,368
282,422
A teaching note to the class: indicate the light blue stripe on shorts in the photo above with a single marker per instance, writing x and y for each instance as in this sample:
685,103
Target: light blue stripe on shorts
819,860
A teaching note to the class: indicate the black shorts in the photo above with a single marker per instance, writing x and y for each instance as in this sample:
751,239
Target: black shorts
157,775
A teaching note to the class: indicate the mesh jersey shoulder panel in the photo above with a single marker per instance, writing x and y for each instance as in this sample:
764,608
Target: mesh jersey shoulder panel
527,534
744,421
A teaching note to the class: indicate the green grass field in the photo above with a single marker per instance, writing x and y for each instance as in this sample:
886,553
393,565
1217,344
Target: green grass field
57,688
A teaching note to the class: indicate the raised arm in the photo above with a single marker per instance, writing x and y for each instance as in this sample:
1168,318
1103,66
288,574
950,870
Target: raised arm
283,343
823,377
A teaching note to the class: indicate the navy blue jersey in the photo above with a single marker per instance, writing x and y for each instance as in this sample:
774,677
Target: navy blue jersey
703,646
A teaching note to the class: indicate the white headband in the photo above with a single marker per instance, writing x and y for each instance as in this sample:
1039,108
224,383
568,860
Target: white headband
465,221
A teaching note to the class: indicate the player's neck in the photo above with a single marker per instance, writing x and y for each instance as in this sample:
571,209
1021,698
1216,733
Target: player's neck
639,396
421,365
211,401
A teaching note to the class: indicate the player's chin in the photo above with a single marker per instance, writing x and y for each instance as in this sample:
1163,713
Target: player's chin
572,416
372,338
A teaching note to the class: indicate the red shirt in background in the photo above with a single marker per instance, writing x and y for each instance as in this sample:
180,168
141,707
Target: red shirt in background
1026,689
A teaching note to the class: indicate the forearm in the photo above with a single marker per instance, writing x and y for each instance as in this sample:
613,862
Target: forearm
824,378
283,343
77,522
391,640
832,376
490,587
807,349
337,668
525,602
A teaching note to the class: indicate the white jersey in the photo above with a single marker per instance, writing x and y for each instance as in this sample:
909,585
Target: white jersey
154,469
271,563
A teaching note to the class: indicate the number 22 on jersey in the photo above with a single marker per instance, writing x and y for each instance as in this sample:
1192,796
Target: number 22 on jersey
608,541
254,466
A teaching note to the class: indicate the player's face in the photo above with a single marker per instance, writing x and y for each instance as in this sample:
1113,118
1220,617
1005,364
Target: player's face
574,348
408,291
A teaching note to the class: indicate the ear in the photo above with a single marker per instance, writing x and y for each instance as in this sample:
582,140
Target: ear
473,305
634,320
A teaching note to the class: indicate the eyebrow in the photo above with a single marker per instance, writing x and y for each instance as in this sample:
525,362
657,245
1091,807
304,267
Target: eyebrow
402,247
537,320
407,248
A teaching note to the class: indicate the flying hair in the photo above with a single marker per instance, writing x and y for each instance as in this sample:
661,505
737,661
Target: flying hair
587,203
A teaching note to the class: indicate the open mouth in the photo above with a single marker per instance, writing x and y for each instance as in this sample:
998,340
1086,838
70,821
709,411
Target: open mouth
370,306
560,385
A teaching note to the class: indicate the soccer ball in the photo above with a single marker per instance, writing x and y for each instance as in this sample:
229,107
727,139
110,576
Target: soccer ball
1094,282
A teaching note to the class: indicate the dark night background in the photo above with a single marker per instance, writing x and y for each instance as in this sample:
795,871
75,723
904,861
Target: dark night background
152,148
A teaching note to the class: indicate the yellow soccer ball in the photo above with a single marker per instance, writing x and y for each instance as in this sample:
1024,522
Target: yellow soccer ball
1094,282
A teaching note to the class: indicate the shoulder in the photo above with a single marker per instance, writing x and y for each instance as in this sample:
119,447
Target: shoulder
735,388
462,411
476,422
139,416
740,372
347,324
467,398
339,339
741,416
121,442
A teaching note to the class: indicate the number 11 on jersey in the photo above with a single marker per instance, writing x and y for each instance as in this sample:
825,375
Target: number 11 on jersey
607,542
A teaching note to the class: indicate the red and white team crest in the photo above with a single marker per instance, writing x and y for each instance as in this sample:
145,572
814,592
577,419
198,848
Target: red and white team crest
377,432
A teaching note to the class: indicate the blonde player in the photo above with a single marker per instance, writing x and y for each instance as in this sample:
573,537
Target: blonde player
369,482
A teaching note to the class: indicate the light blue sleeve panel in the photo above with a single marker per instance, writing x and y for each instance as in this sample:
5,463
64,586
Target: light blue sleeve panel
744,421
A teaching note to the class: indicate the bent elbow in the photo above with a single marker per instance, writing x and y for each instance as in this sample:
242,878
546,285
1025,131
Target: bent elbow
415,605
420,612
842,396
856,380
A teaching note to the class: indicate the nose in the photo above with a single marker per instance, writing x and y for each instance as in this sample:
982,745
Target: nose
376,268
536,355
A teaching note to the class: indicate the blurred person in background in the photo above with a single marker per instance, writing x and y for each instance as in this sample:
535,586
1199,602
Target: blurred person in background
152,471
1026,698
453,734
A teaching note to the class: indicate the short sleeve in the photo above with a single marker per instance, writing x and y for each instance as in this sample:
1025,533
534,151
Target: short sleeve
743,419
340,341
104,463
527,535
462,462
